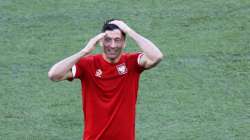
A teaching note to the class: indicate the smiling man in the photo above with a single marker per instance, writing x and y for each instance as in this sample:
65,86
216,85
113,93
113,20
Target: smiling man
109,80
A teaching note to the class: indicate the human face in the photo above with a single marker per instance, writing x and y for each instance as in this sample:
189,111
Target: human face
113,44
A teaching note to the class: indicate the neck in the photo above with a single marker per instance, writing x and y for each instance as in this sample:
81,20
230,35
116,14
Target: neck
113,61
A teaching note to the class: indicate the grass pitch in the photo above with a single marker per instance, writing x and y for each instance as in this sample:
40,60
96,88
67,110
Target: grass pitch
200,91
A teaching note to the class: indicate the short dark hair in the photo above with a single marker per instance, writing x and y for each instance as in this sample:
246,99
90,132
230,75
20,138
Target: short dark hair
110,27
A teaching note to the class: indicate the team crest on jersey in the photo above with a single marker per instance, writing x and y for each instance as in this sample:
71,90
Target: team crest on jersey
122,69
98,73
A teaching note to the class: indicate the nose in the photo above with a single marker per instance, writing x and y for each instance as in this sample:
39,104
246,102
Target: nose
112,45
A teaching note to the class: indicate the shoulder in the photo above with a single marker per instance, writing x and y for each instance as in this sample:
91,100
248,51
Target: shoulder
84,65
132,59
134,56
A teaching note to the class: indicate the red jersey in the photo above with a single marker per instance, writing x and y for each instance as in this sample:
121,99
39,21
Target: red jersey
109,93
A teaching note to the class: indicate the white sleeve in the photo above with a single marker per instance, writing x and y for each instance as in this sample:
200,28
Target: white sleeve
74,71
139,58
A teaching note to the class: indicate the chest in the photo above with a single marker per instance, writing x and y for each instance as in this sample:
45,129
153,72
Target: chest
106,71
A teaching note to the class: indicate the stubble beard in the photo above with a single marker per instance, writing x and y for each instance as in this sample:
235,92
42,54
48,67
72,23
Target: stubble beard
112,54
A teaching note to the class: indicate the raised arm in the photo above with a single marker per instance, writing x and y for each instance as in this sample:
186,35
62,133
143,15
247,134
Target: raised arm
62,69
152,55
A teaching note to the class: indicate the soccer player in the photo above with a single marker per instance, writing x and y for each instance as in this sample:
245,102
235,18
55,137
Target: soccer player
109,80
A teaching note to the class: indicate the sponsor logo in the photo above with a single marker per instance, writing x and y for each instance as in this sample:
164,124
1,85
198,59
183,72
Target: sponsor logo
98,73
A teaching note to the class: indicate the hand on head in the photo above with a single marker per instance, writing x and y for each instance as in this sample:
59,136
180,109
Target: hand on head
92,43
122,25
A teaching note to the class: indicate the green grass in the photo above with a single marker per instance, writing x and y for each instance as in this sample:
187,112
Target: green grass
200,91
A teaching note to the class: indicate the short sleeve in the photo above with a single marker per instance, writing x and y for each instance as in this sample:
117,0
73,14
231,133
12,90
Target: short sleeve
78,69
134,59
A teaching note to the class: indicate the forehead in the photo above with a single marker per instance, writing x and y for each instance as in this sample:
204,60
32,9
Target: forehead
114,33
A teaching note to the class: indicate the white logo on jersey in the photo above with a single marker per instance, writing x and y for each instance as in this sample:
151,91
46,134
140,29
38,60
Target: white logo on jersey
98,73
121,69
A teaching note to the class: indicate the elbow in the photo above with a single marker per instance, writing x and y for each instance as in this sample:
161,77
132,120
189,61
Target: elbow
159,58
52,76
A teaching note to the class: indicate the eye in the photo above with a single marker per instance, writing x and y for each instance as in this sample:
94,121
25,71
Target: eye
118,40
107,39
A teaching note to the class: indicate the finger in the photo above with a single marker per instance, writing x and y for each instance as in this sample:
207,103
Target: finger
116,22
100,36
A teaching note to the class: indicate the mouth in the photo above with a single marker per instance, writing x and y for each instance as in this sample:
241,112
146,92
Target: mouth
112,52
112,55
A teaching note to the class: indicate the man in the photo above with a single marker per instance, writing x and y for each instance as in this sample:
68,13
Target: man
109,80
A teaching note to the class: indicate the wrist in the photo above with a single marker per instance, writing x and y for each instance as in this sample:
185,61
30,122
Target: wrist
131,33
128,31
